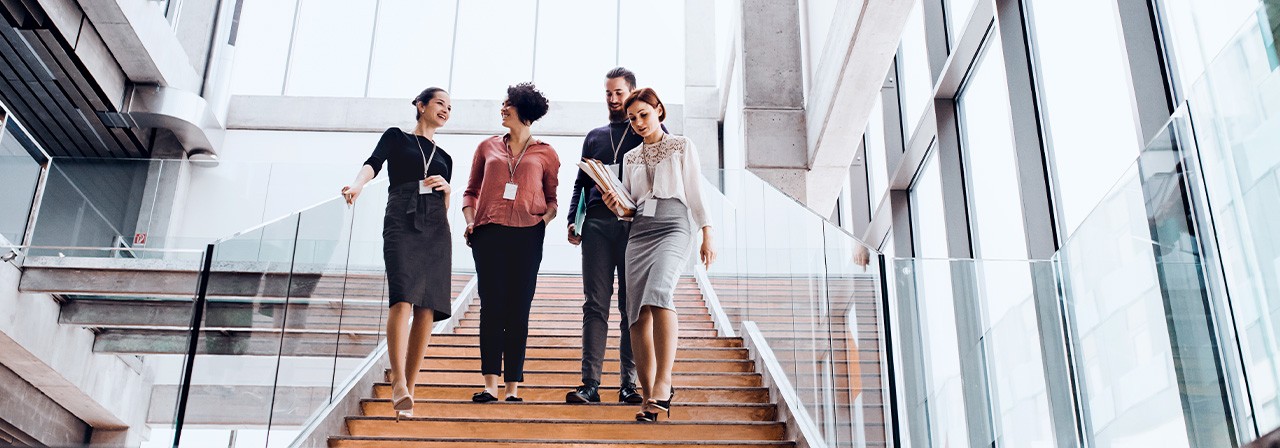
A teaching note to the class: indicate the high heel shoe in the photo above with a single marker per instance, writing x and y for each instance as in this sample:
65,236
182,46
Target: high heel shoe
664,405
645,416
401,400
404,414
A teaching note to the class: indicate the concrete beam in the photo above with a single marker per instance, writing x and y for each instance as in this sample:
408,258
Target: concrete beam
228,341
239,405
105,391
37,418
470,117
143,43
859,51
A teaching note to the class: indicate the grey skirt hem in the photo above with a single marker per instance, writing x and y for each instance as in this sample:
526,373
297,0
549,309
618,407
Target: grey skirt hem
657,251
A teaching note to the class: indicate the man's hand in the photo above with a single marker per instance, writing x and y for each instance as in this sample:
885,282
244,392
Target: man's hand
573,238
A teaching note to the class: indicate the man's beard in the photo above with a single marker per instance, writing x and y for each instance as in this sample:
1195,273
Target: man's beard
617,116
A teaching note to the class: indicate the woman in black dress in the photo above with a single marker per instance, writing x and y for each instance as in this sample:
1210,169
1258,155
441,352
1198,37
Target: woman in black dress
416,242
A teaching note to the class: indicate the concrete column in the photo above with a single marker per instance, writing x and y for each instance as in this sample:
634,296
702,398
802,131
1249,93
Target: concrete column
701,96
773,95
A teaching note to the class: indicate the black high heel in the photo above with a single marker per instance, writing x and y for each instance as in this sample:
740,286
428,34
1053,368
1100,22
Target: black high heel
646,416
664,405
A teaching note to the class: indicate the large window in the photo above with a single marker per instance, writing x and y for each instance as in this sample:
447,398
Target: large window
957,17
412,47
396,48
875,158
1197,31
914,75
1010,339
331,49
1088,102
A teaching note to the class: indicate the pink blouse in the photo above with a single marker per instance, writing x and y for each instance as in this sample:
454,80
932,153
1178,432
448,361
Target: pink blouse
535,178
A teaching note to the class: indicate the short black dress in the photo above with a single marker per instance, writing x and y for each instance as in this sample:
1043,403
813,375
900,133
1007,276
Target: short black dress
416,242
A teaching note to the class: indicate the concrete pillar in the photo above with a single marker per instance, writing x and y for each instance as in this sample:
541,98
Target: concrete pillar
773,94
701,96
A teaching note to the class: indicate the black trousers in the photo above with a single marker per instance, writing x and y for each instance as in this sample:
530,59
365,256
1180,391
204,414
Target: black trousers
507,261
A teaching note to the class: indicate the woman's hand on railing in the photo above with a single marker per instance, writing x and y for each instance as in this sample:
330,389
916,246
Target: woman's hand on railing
708,253
350,193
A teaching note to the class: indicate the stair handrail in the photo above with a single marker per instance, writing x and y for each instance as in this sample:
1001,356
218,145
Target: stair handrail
774,375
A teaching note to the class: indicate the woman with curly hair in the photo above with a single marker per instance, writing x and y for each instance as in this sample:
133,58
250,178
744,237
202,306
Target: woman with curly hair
510,198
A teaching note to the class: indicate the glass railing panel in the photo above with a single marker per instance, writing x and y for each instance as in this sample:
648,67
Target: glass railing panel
1233,108
236,370
806,284
315,315
935,404
858,415
364,295
1011,345
20,168
1111,291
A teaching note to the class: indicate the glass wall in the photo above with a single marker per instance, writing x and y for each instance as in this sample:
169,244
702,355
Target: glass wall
915,78
1087,102
1011,340
395,48
1237,127
20,168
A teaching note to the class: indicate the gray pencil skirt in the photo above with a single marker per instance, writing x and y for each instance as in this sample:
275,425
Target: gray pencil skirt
417,249
657,250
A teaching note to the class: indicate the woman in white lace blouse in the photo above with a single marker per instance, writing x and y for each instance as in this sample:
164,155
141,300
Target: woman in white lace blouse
664,179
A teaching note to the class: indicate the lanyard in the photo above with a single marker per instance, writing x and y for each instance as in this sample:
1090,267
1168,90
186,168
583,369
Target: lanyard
618,147
425,161
512,168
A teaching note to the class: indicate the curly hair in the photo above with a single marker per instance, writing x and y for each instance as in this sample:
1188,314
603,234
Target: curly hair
529,102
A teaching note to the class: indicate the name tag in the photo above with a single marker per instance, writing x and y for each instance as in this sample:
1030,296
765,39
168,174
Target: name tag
649,208
510,192
423,189
616,169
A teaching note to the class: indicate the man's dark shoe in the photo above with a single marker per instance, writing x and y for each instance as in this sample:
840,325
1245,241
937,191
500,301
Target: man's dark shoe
583,394
627,394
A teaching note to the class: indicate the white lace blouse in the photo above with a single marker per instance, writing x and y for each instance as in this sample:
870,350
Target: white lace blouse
669,169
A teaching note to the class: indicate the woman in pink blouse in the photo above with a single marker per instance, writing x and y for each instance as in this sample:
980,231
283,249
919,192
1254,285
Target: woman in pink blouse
510,198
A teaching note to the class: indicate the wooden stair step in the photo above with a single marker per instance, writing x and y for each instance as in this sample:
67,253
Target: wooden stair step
759,412
576,352
572,332
470,322
610,365
410,442
570,379
563,429
576,340
555,394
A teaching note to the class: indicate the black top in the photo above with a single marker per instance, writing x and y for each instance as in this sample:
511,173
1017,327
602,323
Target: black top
596,146
406,158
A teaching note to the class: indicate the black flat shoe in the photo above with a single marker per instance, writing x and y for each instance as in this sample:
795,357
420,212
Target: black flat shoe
483,397
628,394
514,399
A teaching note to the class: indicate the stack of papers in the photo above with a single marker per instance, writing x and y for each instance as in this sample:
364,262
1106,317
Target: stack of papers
607,181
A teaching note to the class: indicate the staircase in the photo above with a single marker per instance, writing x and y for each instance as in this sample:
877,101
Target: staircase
720,403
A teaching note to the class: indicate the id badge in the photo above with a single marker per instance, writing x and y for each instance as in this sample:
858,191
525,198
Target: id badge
423,189
510,192
648,209
616,169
